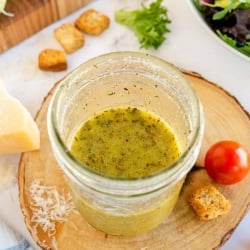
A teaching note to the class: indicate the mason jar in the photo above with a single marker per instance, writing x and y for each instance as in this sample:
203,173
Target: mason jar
131,206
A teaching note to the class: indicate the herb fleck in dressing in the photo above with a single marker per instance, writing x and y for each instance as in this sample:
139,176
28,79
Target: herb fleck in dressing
125,142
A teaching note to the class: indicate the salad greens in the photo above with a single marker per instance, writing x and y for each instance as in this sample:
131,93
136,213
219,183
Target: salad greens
148,23
230,20
243,49
226,5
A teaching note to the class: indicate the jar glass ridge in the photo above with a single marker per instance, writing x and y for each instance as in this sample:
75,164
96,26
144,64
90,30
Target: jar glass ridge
130,206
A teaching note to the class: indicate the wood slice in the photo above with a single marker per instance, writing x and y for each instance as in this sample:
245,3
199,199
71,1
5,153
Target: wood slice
225,119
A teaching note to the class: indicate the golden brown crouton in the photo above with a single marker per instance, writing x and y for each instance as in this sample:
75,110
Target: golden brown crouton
52,60
69,37
92,22
208,202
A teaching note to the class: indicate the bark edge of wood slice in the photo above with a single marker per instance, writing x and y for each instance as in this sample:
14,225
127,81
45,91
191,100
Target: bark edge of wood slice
182,229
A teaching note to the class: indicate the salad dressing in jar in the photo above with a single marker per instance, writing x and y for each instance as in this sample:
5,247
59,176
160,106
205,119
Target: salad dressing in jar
114,197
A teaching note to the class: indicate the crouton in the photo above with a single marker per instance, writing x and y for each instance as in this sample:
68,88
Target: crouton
208,202
92,22
70,38
52,60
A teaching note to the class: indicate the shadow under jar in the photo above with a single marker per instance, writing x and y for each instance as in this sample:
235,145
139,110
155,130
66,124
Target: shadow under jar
125,206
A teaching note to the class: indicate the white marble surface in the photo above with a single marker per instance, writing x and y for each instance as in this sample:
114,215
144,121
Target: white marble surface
188,46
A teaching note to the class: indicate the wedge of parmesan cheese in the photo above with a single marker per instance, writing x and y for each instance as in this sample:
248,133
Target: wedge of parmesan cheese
18,130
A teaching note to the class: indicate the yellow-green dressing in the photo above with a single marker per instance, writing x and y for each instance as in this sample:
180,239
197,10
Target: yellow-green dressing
125,142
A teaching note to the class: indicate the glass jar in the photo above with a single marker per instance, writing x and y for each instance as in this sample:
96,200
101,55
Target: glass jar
125,207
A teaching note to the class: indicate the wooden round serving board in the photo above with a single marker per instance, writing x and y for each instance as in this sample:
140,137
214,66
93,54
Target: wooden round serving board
224,119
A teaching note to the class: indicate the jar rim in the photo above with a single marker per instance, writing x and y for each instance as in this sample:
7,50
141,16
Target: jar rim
95,178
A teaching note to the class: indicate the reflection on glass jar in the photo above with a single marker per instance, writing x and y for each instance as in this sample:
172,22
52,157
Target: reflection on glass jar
132,205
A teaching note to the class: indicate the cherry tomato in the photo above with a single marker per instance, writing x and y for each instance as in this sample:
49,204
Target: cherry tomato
227,162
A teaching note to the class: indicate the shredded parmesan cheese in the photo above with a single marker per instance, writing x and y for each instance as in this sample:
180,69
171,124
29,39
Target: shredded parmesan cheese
49,208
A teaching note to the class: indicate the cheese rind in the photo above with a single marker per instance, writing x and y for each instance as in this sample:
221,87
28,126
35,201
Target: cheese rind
18,130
